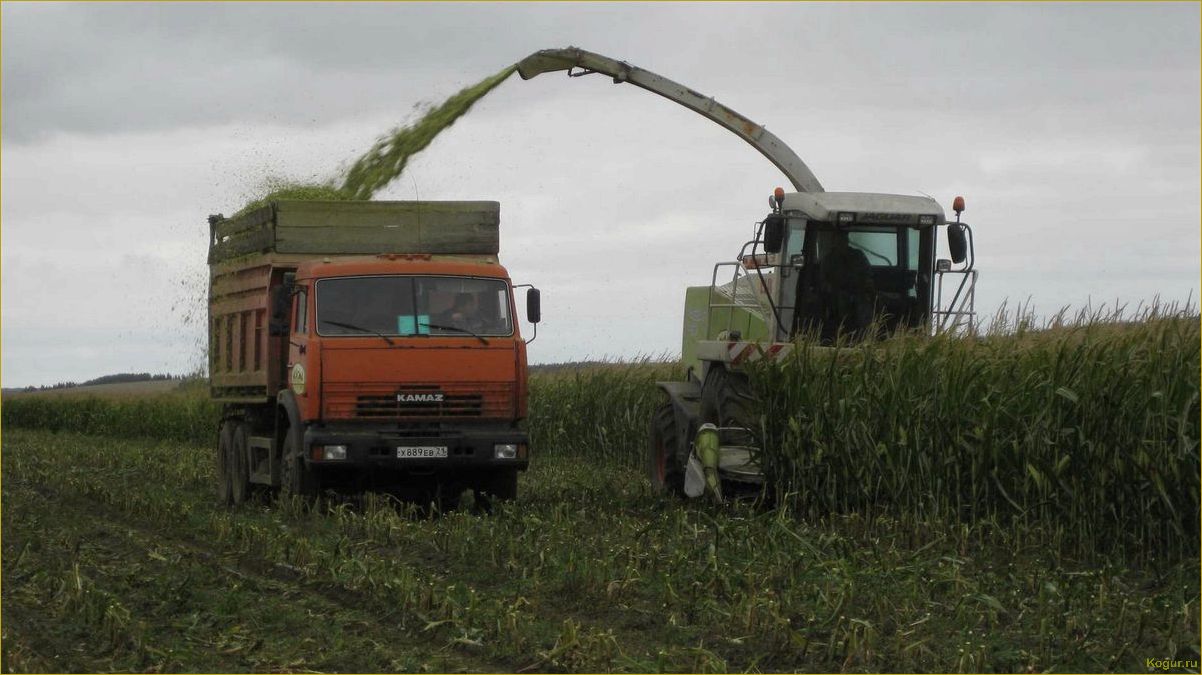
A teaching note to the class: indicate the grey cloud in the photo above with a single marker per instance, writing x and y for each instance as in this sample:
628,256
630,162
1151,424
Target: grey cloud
1071,129
97,67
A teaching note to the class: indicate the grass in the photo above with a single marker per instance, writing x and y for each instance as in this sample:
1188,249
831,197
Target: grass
924,526
117,559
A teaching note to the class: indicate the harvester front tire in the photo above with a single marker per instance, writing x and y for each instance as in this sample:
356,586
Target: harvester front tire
727,401
239,469
223,458
296,478
663,458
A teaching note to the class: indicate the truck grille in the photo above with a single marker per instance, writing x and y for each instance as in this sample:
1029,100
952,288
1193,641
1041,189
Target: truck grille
375,401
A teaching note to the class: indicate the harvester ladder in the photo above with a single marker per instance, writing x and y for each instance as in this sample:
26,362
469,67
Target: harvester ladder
959,315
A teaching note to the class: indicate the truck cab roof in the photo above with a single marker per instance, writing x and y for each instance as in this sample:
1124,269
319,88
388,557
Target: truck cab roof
400,263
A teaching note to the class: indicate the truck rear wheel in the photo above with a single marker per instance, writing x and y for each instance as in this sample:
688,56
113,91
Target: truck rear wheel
664,467
239,469
296,478
223,456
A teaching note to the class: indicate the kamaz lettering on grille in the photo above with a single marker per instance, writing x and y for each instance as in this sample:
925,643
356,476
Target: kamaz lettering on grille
419,398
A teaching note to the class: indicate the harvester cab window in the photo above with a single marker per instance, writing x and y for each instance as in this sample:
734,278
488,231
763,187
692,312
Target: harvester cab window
861,274
879,247
795,244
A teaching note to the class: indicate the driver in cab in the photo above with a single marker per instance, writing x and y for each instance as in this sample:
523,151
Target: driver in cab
463,314
845,278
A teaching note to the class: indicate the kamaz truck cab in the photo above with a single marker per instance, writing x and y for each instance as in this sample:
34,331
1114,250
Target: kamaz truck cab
417,369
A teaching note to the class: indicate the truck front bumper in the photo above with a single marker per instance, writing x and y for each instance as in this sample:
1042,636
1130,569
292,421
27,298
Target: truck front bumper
392,448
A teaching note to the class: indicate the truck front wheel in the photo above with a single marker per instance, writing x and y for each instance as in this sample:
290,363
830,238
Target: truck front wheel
499,487
504,485
296,478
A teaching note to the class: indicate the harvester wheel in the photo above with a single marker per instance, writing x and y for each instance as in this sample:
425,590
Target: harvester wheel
224,441
239,469
296,478
727,401
664,467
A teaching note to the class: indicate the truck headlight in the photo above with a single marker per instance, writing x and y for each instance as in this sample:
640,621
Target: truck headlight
505,451
333,452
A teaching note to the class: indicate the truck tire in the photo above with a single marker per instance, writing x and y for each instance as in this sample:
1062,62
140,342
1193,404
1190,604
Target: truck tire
446,498
503,486
223,457
664,467
296,478
500,487
239,468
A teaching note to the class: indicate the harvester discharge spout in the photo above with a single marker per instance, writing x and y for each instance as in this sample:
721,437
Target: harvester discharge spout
551,60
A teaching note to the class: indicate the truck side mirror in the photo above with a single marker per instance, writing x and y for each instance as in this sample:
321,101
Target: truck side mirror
281,307
957,242
774,233
534,311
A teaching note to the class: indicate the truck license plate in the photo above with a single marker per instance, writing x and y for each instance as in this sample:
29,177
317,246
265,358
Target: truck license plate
421,452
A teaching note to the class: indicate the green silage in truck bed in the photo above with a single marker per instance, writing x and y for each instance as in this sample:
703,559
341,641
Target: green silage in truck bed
358,228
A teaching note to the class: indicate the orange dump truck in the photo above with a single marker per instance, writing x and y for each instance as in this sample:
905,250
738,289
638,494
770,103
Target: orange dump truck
366,345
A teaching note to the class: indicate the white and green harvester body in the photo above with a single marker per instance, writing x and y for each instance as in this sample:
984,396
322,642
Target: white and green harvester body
822,265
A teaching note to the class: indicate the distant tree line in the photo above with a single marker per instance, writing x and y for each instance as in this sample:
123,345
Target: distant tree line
109,379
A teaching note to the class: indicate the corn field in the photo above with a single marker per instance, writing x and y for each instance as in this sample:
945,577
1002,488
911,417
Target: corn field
1019,502
1085,434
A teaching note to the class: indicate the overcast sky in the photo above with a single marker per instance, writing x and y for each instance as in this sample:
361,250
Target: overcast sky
1072,131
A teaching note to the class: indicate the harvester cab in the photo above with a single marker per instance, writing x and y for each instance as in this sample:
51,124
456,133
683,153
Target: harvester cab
836,264
823,266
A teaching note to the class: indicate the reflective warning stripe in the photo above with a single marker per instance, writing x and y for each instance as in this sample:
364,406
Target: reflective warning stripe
774,351
737,352
744,352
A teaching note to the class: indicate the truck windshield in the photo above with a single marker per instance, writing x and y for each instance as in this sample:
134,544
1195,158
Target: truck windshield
403,306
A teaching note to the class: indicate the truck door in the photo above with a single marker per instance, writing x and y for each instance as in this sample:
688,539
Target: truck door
298,346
